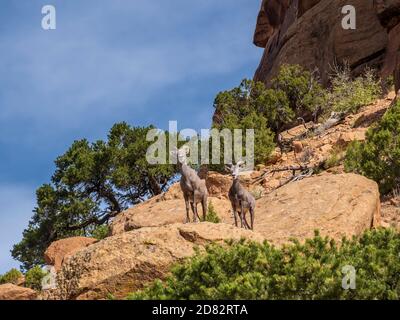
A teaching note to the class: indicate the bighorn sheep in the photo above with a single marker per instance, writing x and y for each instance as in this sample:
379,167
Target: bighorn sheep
194,189
241,200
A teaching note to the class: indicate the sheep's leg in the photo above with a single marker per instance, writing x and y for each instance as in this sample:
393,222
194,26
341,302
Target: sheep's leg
235,214
187,208
197,211
204,207
246,224
242,225
194,212
194,209
252,218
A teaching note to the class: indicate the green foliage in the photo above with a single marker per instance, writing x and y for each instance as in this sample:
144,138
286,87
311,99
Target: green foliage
212,215
11,276
378,158
263,136
313,270
335,158
349,95
305,95
388,84
111,297
332,161
92,183
34,277
101,232
294,93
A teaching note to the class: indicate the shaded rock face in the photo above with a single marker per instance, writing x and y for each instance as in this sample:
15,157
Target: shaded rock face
337,205
269,19
59,250
124,263
12,292
310,33
388,12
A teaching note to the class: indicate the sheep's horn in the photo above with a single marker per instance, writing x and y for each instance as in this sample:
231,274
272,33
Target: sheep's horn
228,167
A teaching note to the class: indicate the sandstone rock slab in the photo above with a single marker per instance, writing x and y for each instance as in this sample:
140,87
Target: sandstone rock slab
161,213
124,263
10,291
337,205
58,250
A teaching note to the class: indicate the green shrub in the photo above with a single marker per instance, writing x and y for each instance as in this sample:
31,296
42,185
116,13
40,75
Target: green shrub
378,158
101,232
263,136
294,93
34,277
349,95
212,215
336,157
313,270
305,95
11,276
388,84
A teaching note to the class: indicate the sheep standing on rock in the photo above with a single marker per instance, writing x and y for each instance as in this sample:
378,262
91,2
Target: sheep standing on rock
194,189
241,200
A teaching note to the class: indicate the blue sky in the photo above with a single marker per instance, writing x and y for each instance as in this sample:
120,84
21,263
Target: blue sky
140,61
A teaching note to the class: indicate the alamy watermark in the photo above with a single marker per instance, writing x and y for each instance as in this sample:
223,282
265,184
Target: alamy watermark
49,281
349,279
49,21
349,20
204,148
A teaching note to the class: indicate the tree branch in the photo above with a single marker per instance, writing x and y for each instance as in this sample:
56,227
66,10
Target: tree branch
95,220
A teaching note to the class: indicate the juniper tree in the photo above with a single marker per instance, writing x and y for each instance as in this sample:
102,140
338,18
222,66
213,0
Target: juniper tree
92,183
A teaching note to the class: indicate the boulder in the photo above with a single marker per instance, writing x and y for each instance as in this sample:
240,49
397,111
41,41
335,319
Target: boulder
169,208
310,33
218,185
124,263
337,205
10,291
161,213
346,138
59,250
174,192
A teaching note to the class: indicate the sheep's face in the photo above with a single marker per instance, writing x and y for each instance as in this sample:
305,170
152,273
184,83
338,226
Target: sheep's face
235,169
182,157
181,154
